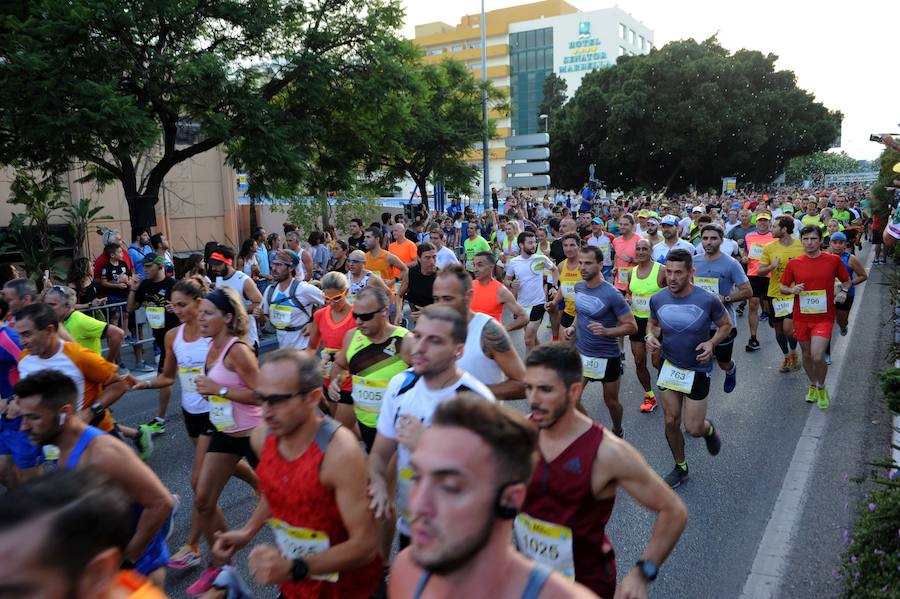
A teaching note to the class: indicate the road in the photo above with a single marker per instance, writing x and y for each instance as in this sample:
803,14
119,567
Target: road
730,497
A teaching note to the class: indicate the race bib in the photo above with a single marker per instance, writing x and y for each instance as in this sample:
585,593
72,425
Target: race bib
676,379
470,265
709,284
156,316
813,302
368,393
783,306
624,274
640,303
404,488
295,541
756,251
188,378
593,368
545,542
221,413
280,316
568,290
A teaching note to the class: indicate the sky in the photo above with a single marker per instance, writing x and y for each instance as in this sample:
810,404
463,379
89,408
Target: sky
840,52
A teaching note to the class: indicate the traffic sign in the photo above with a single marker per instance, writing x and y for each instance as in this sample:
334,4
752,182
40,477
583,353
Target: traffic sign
523,141
528,168
530,181
529,154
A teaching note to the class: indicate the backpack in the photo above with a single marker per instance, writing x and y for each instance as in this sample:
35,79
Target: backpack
291,295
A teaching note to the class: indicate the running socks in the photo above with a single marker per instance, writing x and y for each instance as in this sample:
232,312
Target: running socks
783,343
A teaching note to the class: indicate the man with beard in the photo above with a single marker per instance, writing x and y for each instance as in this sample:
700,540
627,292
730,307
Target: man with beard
220,266
525,276
416,287
671,240
289,303
567,507
471,469
48,402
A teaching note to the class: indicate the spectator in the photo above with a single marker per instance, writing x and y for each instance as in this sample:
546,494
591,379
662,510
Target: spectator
140,247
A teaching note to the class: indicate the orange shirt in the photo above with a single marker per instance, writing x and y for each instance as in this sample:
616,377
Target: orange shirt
406,250
485,299
381,267
754,244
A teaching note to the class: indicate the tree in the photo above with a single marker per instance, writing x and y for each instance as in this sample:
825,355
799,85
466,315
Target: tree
554,88
40,196
689,113
814,167
131,88
434,120
882,197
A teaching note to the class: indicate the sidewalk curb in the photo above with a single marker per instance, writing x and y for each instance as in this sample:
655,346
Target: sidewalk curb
773,552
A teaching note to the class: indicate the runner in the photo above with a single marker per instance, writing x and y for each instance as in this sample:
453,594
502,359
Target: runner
474,244
84,329
671,241
738,233
19,459
490,296
358,277
470,470
48,552
305,268
722,276
230,373
680,319
623,246
409,402
386,265
601,317
329,326
99,385
50,403
289,303
772,263
755,242
220,266
647,278
562,522
838,247
652,234
312,476
189,350
416,287
370,355
489,354
810,278
444,255
154,294
525,276
569,276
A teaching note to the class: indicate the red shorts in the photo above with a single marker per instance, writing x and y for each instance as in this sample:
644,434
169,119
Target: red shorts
803,330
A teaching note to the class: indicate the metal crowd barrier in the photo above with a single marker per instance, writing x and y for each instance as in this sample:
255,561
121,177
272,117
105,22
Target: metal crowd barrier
104,312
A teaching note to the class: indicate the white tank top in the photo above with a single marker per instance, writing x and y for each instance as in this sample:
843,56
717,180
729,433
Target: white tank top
236,282
473,360
356,287
190,357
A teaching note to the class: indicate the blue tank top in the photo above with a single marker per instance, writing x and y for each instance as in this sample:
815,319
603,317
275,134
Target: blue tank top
89,434
537,577
845,258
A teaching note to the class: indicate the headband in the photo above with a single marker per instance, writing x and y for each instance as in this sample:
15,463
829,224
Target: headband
219,257
219,299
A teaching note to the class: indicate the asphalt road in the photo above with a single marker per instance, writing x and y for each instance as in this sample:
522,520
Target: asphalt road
729,496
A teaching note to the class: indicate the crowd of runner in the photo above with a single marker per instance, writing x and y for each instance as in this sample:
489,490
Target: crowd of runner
377,423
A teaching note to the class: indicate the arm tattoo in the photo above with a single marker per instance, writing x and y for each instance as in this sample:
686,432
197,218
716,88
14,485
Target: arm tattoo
494,339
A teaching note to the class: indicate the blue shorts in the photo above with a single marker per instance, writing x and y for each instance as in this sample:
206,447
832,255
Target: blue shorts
16,443
156,555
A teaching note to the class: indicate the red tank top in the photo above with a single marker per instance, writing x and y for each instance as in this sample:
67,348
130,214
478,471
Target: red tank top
484,299
560,492
298,498
332,334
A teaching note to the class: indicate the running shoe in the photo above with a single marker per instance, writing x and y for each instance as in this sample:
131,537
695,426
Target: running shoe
157,427
620,433
843,331
752,345
143,443
763,317
785,364
649,404
730,380
170,523
713,442
186,557
677,476
824,401
795,362
740,308
143,367
827,359
812,394
122,370
205,582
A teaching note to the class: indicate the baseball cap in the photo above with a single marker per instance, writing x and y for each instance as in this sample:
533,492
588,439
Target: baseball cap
597,220
698,209
787,208
153,258
764,216
653,220
643,214
668,220
286,257
838,236
896,168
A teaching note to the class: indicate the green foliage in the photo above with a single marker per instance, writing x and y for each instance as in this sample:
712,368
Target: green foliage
555,88
115,85
80,217
688,113
814,167
307,212
881,196
890,387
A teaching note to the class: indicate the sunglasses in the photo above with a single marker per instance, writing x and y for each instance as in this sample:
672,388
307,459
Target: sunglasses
277,398
329,298
367,316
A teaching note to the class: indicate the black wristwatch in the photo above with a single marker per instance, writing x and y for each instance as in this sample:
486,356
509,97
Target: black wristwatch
127,564
648,569
299,569
97,408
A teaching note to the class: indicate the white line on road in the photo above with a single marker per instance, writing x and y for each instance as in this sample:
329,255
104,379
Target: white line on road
768,569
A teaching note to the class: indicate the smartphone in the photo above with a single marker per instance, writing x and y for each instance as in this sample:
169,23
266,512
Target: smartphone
875,137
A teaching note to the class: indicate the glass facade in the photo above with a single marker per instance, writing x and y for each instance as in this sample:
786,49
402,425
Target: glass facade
530,61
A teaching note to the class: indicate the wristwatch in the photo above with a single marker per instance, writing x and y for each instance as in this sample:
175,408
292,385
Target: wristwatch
96,408
648,569
299,569
223,391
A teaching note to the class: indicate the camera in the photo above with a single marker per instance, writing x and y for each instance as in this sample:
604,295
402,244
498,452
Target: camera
875,137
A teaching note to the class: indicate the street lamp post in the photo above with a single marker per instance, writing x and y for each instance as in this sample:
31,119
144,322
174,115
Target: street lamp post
546,119
484,115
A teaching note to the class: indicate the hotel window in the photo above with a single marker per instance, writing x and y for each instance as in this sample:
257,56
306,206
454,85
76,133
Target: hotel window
456,48
621,31
631,36
641,42
621,51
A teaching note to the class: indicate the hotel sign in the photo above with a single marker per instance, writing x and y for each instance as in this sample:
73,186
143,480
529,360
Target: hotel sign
584,53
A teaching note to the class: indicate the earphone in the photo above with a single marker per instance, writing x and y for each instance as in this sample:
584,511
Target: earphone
62,418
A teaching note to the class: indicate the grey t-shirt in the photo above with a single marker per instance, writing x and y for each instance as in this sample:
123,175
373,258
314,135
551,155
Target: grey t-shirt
603,304
685,323
728,273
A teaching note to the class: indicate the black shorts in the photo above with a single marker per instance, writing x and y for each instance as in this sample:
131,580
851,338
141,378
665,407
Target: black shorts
197,424
345,397
613,371
770,312
566,320
878,237
641,333
723,351
844,307
700,388
760,286
219,442
368,435
537,313
159,335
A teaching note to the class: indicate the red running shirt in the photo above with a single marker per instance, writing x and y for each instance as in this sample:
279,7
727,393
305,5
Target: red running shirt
816,274
297,497
332,335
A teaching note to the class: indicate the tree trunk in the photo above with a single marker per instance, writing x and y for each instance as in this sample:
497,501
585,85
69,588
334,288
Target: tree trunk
142,211
326,210
253,219
422,184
